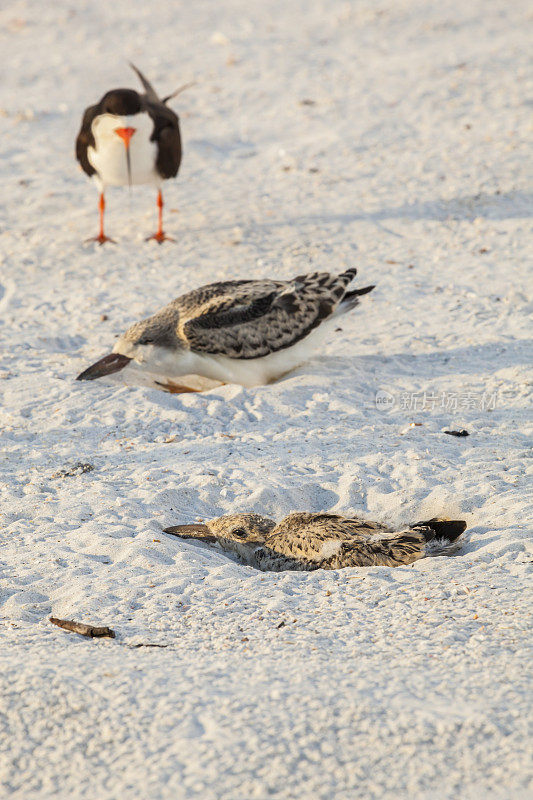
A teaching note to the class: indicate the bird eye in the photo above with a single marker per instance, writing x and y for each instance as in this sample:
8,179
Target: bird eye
240,532
146,340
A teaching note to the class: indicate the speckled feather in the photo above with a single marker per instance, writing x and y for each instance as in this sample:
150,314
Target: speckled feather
328,541
250,319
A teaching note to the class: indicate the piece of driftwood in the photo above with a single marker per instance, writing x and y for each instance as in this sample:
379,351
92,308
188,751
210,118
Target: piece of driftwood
83,629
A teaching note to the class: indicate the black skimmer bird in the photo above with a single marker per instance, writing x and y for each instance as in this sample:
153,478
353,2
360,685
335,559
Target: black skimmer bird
249,332
324,541
130,138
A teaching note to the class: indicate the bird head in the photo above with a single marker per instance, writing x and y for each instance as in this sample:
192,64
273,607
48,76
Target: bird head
241,529
149,343
120,115
121,103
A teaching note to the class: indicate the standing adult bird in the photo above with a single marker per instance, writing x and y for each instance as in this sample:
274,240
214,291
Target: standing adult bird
249,332
130,138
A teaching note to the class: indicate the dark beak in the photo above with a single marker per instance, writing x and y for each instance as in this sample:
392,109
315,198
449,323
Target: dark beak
126,134
106,366
128,163
191,532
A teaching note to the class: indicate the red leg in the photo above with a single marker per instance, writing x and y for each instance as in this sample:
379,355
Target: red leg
101,238
160,236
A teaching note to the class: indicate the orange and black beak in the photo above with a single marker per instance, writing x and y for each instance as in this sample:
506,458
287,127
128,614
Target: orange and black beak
106,366
126,134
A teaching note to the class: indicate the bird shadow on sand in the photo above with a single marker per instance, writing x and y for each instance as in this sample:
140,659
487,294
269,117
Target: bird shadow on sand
479,359
511,205
476,540
364,373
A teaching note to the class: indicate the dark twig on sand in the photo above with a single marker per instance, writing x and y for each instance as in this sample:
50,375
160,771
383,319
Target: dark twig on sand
146,644
82,628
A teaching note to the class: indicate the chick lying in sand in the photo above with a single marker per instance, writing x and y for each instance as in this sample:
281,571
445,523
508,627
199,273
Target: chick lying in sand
305,541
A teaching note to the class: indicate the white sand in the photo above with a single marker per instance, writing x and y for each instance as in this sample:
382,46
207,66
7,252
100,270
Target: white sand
406,683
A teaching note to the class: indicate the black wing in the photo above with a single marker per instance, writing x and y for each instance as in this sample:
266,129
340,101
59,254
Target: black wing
167,135
85,139
250,319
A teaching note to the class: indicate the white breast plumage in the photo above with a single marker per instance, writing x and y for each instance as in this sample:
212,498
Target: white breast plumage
108,157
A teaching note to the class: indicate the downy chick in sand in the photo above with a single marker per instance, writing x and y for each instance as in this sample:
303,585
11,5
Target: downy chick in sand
305,541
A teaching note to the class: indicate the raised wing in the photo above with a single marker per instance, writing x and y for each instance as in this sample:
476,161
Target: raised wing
250,319
150,92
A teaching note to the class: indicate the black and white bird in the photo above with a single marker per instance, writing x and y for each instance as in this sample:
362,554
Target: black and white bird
304,541
130,138
249,332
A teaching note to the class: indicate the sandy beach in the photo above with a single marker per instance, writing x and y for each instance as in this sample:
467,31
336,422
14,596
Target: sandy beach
390,137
